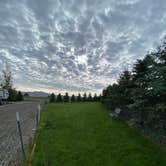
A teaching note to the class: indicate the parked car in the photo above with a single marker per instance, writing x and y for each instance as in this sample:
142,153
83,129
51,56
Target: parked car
4,95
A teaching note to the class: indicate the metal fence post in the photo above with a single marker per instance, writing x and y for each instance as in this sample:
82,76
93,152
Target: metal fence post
20,134
38,115
37,119
39,111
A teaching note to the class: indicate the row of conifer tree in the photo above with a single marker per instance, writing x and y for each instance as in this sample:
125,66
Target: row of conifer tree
74,98
141,93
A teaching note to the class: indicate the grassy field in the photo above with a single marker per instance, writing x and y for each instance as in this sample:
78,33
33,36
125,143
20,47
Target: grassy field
83,134
35,98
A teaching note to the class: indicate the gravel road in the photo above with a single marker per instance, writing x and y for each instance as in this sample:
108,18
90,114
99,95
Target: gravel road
10,149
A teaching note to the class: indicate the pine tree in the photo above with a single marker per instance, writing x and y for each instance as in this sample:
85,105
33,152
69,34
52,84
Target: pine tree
12,94
73,99
84,99
79,98
59,98
141,94
125,88
52,98
95,97
66,97
19,96
99,97
89,97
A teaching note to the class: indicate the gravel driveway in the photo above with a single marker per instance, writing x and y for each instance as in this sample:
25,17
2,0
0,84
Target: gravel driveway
10,149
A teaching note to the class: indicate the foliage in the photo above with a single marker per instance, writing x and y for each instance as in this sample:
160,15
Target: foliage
59,98
90,97
6,78
141,93
84,97
66,97
52,98
19,96
73,99
95,98
6,82
12,94
79,98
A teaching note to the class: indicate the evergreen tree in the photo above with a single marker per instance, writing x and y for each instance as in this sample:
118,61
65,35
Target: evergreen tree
59,98
99,97
66,97
159,78
141,94
52,98
95,97
19,96
89,97
141,91
73,99
79,98
12,94
84,99
125,88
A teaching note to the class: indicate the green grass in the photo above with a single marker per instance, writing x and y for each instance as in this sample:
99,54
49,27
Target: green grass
83,134
35,99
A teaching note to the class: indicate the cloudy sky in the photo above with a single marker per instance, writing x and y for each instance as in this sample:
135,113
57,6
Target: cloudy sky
76,45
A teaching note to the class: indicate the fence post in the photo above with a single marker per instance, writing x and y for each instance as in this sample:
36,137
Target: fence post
38,115
37,119
20,134
39,111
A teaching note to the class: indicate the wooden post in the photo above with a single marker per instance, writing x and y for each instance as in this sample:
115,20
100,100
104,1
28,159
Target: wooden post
20,134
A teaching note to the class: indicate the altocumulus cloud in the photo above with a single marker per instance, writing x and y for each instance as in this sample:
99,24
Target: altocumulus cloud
76,45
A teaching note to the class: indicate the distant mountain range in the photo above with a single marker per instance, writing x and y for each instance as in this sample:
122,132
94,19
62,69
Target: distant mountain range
37,94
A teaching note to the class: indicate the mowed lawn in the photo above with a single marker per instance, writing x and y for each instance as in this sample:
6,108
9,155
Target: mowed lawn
42,99
83,134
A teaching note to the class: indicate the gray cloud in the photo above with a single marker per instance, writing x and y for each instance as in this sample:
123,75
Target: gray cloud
77,45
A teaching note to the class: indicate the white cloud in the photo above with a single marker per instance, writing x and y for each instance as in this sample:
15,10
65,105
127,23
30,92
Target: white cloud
77,45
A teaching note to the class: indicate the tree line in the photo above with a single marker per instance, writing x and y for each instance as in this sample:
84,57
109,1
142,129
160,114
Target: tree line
74,98
140,94
6,82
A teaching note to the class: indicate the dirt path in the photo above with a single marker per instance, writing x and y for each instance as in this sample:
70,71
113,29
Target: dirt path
9,139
